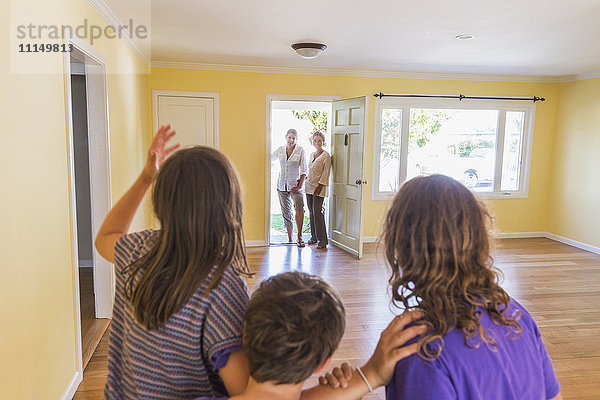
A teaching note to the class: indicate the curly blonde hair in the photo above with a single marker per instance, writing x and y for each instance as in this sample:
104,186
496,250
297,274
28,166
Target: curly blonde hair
437,245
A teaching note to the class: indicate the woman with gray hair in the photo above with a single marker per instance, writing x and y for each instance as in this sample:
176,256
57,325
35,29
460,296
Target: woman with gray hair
290,181
319,166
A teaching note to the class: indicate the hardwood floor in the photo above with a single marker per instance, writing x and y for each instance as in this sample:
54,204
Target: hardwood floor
558,284
92,328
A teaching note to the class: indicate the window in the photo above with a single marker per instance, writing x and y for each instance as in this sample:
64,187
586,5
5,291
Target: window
484,144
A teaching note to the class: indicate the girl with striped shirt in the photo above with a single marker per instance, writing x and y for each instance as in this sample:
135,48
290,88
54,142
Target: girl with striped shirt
179,296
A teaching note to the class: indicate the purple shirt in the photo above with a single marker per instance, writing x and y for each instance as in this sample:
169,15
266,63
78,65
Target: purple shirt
517,369
211,398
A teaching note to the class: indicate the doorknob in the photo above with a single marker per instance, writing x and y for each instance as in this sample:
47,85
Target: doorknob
358,182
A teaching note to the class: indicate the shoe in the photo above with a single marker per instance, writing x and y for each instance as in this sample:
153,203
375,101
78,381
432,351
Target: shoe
301,242
320,247
312,241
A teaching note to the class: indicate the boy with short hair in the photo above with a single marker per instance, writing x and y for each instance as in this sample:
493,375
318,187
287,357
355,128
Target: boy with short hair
293,324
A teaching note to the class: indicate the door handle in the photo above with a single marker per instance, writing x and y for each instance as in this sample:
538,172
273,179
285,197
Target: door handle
360,182
346,139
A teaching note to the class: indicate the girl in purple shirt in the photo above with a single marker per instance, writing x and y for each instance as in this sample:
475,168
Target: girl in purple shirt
481,344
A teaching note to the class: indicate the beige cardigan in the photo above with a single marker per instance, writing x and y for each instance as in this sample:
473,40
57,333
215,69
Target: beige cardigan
318,173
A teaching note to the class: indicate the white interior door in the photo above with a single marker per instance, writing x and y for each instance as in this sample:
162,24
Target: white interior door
99,181
191,117
347,138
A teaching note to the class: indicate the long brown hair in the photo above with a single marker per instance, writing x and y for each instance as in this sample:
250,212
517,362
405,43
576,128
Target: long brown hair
197,199
436,242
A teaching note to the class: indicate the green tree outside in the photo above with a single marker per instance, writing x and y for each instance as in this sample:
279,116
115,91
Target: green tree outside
317,118
424,123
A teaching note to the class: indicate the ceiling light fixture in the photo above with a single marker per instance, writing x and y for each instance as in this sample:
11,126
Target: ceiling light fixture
309,50
466,36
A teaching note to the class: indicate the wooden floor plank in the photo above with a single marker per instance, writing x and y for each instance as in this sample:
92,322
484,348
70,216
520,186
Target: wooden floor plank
92,328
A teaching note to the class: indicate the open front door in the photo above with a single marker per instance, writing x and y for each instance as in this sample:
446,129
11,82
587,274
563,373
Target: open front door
347,138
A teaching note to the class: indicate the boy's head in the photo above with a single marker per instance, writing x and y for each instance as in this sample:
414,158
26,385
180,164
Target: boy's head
294,323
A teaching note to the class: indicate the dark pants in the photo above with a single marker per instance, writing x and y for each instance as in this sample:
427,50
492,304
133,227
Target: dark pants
317,219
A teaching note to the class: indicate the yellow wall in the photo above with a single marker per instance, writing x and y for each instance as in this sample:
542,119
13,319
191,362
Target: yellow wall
574,188
242,131
37,310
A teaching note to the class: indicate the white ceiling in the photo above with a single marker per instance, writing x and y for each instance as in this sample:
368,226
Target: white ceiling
514,37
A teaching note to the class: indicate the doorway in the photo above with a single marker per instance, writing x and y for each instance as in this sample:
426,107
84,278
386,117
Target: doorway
90,191
92,328
306,116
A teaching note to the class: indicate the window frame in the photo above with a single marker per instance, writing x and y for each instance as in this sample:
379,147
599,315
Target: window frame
503,106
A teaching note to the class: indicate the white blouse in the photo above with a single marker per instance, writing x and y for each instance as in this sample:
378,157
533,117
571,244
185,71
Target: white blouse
291,168
318,173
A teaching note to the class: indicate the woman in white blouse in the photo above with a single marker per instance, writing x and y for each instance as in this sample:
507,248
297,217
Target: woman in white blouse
289,184
317,183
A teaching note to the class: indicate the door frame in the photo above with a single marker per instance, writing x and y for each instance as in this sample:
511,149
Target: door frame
185,93
269,99
362,187
104,290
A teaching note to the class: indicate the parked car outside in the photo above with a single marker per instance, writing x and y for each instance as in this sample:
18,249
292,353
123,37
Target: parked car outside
478,167
473,171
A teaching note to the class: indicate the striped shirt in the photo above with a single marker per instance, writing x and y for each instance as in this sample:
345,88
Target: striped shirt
181,359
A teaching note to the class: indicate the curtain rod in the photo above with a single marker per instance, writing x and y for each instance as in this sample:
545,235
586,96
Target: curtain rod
460,97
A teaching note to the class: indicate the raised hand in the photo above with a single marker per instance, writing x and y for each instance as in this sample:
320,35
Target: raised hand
390,349
158,151
116,223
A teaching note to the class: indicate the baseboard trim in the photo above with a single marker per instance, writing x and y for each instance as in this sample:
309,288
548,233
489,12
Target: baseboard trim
551,236
72,388
525,235
520,235
574,243
500,235
255,243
